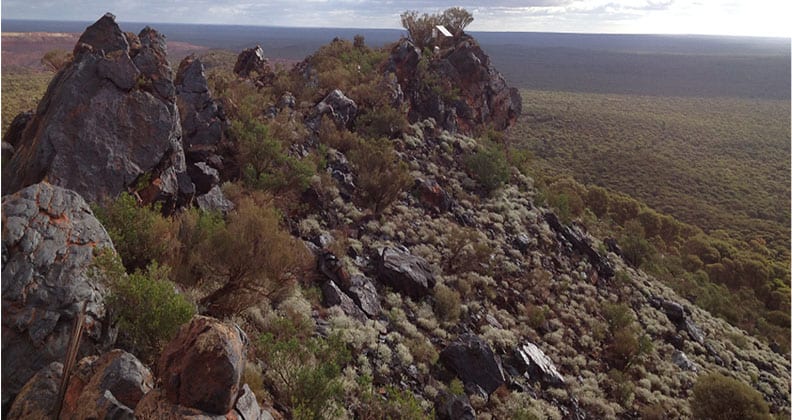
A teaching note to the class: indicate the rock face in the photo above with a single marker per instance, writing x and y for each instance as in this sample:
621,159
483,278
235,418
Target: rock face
484,98
474,363
433,196
405,272
49,239
106,119
251,60
338,107
454,407
202,366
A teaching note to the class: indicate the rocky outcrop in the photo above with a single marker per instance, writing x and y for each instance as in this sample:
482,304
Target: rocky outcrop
14,131
538,366
405,272
483,99
454,407
252,60
334,296
50,237
106,120
203,124
202,366
474,362
155,406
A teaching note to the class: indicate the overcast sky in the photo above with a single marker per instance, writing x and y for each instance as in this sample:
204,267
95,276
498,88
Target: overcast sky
717,17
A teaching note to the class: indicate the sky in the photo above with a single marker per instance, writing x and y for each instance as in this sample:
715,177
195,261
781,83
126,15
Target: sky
712,17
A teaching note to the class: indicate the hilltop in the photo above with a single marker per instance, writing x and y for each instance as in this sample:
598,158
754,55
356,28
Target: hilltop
353,237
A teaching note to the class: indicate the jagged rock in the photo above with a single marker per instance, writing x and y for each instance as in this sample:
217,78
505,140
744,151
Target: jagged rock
333,295
49,239
37,398
454,407
14,131
100,127
7,152
538,365
363,292
405,272
203,176
215,200
202,118
251,60
247,408
523,242
118,383
474,362
340,108
186,380
484,98
612,246
678,314
680,359
433,196
339,168
580,244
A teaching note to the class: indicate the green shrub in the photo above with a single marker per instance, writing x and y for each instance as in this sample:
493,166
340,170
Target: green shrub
264,161
489,167
388,403
380,175
447,303
251,257
635,248
139,233
144,305
304,374
716,396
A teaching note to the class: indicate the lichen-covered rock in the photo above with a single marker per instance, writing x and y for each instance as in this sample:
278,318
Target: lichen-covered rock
405,272
474,362
202,365
365,295
49,240
433,196
106,119
338,107
37,398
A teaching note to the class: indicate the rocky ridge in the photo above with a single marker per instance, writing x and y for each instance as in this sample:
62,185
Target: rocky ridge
530,329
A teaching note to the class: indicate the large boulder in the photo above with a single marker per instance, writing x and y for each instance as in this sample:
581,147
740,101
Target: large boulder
117,383
37,398
50,237
156,406
474,362
405,272
106,119
202,366
481,96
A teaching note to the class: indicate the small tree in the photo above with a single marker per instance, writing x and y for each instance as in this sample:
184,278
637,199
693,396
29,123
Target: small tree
456,19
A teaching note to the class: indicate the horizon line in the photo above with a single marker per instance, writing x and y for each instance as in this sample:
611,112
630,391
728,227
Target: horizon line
120,22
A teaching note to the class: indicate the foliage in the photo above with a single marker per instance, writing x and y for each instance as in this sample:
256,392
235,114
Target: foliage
55,60
627,342
716,396
387,403
420,27
265,163
140,234
380,175
250,256
21,92
635,248
489,167
144,305
304,373
447,303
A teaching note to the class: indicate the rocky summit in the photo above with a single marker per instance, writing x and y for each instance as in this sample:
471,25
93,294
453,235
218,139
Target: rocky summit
365,243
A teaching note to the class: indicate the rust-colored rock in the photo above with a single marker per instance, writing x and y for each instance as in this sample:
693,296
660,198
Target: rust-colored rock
202,366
